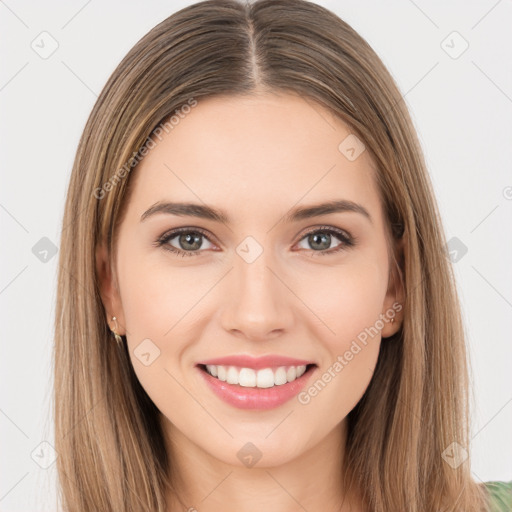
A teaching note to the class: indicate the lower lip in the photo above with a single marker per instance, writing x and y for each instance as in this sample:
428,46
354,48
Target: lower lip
256,398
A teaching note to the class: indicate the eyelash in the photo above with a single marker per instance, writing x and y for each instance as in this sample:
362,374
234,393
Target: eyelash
347,241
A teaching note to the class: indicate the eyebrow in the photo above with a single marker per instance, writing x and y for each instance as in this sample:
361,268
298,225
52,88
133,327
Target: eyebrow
294,215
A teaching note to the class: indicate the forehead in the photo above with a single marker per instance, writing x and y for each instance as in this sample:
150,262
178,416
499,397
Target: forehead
258,150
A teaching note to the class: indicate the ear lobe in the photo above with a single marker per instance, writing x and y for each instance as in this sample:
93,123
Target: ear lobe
108,290
395,296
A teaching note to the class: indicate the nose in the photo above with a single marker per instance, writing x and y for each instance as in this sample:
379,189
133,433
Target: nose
258,305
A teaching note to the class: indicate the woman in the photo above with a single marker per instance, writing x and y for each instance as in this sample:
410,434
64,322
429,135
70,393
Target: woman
254,308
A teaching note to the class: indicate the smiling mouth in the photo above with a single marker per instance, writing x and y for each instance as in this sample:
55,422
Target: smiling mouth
250,378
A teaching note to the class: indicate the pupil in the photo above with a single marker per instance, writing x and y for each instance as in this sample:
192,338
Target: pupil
190,239
323,239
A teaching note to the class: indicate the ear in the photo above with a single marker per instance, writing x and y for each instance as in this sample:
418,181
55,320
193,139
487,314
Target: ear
394,301
109,290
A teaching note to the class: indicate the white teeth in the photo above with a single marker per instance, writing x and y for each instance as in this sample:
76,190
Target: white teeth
212,369
280,376
265,378
232,375
249,378
221,373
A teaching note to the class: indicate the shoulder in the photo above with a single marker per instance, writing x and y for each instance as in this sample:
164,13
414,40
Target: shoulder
500,496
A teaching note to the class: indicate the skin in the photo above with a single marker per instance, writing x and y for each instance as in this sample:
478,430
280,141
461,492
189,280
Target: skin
255,157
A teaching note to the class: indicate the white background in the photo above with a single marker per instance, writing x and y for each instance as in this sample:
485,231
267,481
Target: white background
462,108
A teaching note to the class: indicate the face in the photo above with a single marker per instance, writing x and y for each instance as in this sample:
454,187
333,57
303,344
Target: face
268,276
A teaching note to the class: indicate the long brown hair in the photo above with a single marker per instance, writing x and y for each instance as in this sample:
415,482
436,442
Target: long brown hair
107,430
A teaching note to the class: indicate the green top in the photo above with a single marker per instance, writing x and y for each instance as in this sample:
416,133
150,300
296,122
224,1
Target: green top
500,494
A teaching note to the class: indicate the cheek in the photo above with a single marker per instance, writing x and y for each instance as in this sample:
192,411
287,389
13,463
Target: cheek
147,303
345,299
155,295
163,305
156,300
351,308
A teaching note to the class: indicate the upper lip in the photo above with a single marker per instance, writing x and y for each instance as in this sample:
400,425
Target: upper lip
256,363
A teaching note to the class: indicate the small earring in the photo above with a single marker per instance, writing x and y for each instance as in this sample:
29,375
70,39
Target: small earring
117,336
392,320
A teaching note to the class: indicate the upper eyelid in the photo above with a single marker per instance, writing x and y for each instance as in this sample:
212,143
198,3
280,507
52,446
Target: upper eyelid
172,233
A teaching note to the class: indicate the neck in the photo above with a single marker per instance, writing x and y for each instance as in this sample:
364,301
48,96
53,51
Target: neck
313,481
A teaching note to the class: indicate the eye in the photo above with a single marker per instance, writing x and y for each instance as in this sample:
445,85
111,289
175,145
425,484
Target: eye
188,242
320,240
